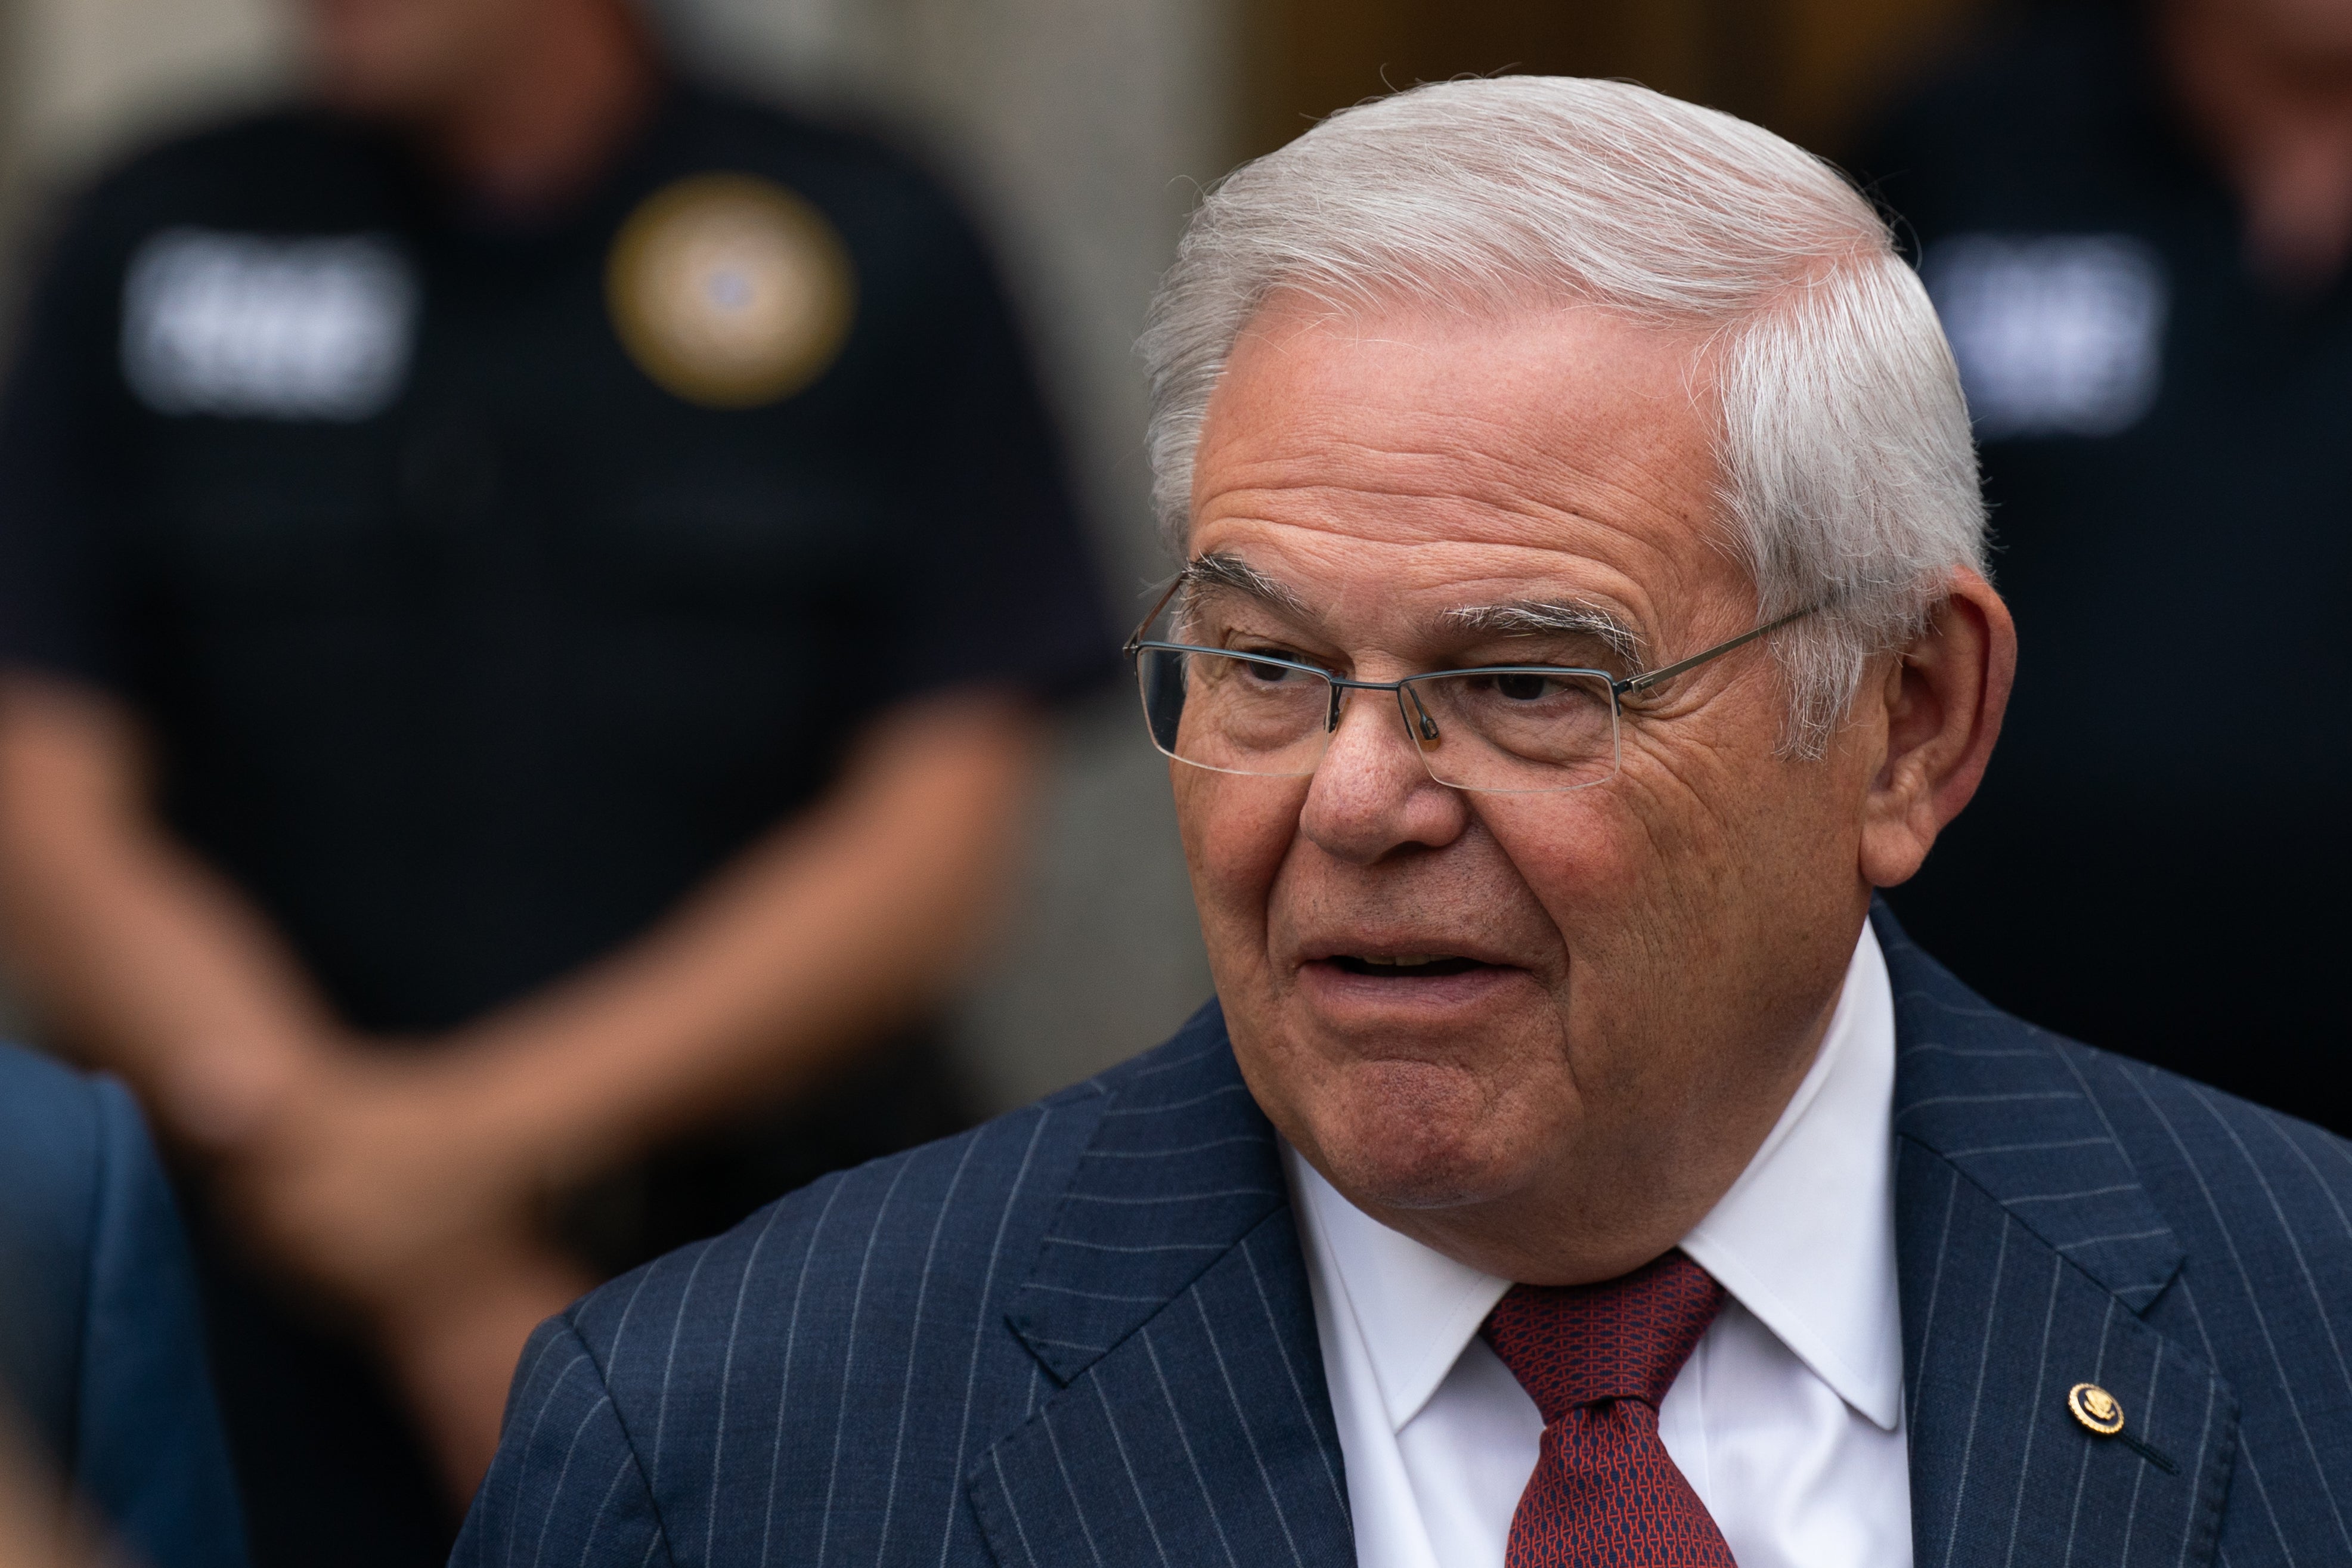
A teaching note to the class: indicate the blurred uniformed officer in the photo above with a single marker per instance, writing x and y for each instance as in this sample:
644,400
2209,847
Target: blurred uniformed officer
512,689
2135,222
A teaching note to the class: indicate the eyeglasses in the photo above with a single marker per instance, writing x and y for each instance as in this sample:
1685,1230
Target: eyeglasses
1501,728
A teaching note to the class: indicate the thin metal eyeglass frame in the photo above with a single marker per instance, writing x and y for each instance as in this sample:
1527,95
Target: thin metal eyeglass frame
1424,732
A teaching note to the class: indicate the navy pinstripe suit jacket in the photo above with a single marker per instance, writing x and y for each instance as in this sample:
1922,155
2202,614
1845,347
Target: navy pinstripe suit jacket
1081,1335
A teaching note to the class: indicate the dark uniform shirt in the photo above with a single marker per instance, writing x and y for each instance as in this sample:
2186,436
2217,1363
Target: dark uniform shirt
468,676
2160,856
488,586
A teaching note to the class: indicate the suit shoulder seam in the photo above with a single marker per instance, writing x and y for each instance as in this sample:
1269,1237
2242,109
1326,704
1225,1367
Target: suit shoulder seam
570,1320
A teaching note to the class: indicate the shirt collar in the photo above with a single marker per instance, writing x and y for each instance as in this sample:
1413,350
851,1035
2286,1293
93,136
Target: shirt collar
1804,1239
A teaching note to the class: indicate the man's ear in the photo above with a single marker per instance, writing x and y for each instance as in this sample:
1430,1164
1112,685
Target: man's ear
1943,700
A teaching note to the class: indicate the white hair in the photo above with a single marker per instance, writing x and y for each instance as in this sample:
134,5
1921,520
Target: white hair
1848,476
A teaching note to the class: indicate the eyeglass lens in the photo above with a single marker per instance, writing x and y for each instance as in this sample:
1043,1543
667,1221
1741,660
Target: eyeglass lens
1533,729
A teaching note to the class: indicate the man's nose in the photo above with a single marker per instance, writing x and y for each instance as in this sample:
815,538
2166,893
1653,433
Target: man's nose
1371,795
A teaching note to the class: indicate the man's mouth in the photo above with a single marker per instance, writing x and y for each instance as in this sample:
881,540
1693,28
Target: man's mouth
1416,979
1405,965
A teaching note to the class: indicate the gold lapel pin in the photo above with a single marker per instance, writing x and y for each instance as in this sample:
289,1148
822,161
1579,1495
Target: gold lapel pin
2097,1408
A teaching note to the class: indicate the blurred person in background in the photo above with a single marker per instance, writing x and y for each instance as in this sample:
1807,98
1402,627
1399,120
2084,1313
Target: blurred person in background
2136,223
105,1407
515,707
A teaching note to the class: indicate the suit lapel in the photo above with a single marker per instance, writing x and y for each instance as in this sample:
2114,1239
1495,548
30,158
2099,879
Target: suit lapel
1190,1423
2026,1251
1170,1305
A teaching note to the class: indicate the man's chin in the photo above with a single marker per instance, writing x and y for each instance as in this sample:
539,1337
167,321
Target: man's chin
1408,1138
1376,1181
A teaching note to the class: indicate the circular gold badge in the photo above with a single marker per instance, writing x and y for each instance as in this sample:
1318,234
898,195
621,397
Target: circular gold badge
729,291
2097,1408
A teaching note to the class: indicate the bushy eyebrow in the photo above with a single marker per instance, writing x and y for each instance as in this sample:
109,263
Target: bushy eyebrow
1535,617
1517,618
1236,576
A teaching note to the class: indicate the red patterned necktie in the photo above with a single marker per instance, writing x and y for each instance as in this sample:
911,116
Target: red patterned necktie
1597,1359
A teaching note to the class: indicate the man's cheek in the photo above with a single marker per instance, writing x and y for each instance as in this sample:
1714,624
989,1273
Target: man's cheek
1586,860
1236,832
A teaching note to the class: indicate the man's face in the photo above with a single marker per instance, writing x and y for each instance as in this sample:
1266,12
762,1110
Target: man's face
403,60
1651,960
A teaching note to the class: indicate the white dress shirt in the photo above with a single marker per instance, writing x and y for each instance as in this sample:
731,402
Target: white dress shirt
1787,1420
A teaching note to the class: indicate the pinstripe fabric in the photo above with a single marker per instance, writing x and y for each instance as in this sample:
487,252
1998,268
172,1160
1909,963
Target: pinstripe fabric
1195,1427
1133,1206
2063,1216
1081,1334
841,1379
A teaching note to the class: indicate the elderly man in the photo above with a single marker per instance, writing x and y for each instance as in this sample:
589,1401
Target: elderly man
1584,615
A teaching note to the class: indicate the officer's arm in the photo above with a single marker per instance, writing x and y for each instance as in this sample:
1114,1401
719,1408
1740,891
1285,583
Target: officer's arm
146,958
399,1184
840,923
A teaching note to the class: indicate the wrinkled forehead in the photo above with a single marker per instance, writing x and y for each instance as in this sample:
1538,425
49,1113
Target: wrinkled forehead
1389,471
